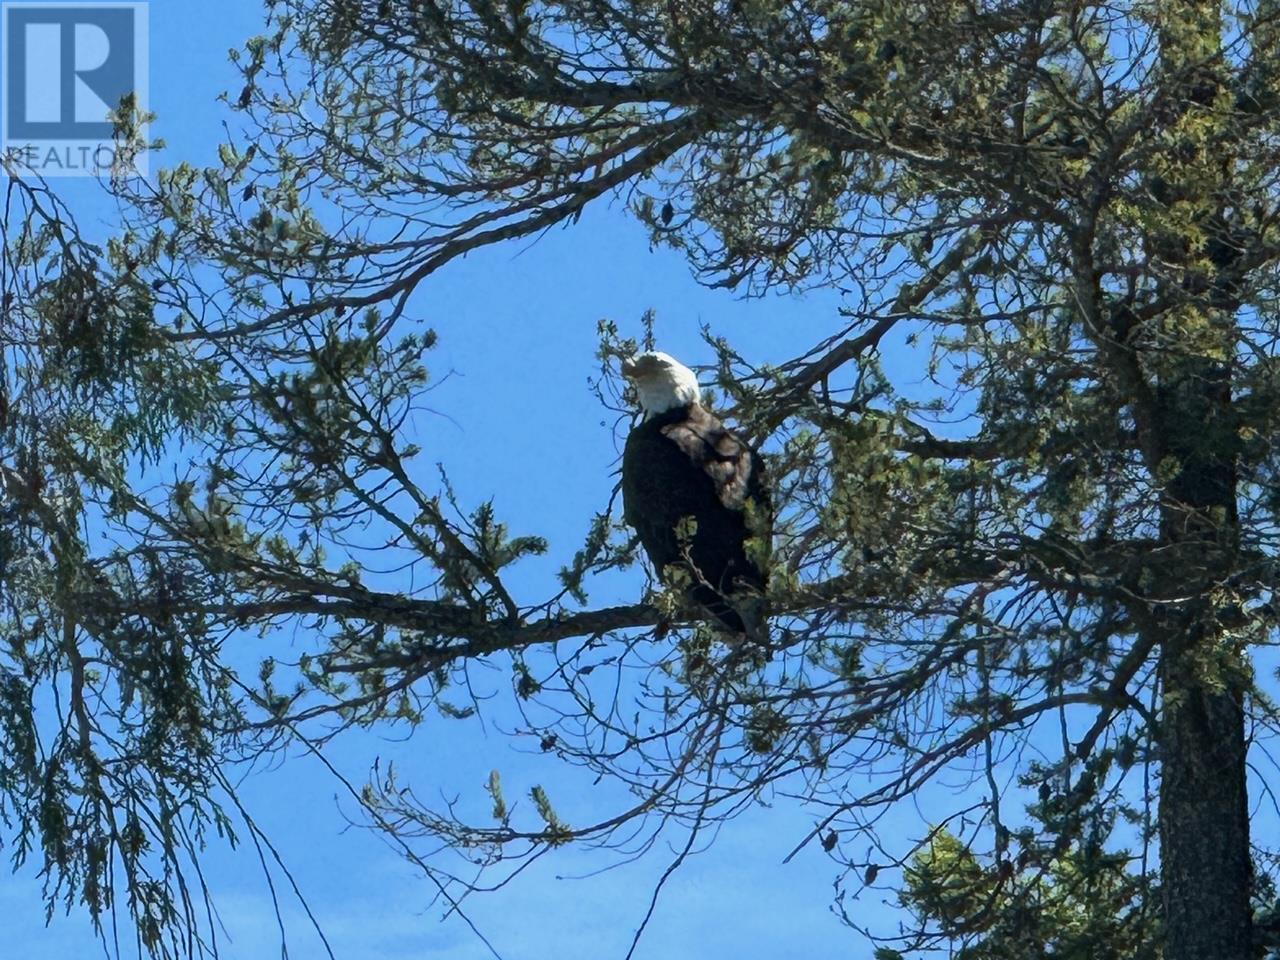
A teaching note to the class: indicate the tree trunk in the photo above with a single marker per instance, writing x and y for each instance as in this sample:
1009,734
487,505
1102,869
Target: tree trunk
1204,824
1206,866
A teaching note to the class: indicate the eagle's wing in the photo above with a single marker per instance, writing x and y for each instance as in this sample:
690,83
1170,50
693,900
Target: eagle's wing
734,468
737,574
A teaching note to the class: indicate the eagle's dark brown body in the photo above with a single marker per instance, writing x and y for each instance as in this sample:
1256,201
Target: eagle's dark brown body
684,463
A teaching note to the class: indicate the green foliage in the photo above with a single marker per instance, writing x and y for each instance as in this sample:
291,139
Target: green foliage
500,812
764,729
596,554
557,831
1086,904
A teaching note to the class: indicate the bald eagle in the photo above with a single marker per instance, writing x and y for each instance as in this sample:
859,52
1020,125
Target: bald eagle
697,496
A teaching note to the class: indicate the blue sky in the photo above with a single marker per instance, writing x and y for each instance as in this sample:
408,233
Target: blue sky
517,337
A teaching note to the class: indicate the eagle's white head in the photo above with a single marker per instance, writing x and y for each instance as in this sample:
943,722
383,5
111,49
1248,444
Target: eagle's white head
662,382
